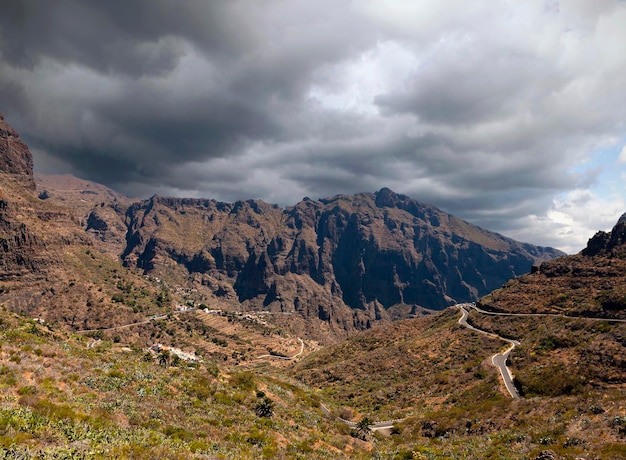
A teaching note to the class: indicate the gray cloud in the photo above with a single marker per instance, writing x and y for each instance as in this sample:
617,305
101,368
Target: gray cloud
489,111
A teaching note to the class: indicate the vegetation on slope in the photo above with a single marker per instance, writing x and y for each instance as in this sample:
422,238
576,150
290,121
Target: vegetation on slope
438,376
68,397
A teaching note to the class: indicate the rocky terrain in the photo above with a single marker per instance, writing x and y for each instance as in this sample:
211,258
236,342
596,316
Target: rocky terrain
90,279
569,324
340,264
101,211
31,235
16,161
49,266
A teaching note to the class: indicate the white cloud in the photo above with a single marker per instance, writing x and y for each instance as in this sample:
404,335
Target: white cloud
571,220
622,155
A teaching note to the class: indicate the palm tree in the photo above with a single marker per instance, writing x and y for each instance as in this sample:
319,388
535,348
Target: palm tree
264,408
164,358
362,429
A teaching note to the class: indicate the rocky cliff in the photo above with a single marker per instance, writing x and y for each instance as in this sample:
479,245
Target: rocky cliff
331,265
592,283
348,260
16,160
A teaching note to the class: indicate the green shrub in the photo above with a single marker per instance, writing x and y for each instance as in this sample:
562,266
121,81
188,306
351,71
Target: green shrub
243,380
27,390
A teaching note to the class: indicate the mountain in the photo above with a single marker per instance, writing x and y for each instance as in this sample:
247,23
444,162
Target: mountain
337,264
346,261
16,161
31,235
101,210
79,379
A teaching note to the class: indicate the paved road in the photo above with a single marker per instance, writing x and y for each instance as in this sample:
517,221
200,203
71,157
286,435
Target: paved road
93,343
499,359
384,426
590,318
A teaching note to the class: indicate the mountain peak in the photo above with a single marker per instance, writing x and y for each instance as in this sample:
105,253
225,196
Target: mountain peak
386,197
15,158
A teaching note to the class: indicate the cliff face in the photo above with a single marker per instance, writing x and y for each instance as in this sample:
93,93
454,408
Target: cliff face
353,259
15,158
592,283
33,232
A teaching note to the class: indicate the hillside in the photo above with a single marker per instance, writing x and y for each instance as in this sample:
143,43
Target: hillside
436,377
49,267
569,366
100,210
70,396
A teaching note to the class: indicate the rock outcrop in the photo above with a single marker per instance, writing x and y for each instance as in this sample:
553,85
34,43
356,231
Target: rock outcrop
32,230
50,268
608,243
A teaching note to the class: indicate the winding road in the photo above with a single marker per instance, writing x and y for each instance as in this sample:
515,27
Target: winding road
499,359
384,426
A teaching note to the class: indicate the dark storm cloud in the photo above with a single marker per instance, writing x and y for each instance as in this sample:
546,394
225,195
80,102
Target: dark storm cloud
484,110
130,37
189,81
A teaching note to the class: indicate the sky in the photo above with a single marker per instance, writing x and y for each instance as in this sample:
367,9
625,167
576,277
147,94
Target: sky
509,114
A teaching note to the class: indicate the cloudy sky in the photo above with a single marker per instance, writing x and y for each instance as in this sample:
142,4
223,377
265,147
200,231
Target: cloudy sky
510,114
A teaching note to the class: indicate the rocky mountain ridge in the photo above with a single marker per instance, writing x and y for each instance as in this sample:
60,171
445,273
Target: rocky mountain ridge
345,260
31,234
49,266
16,161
